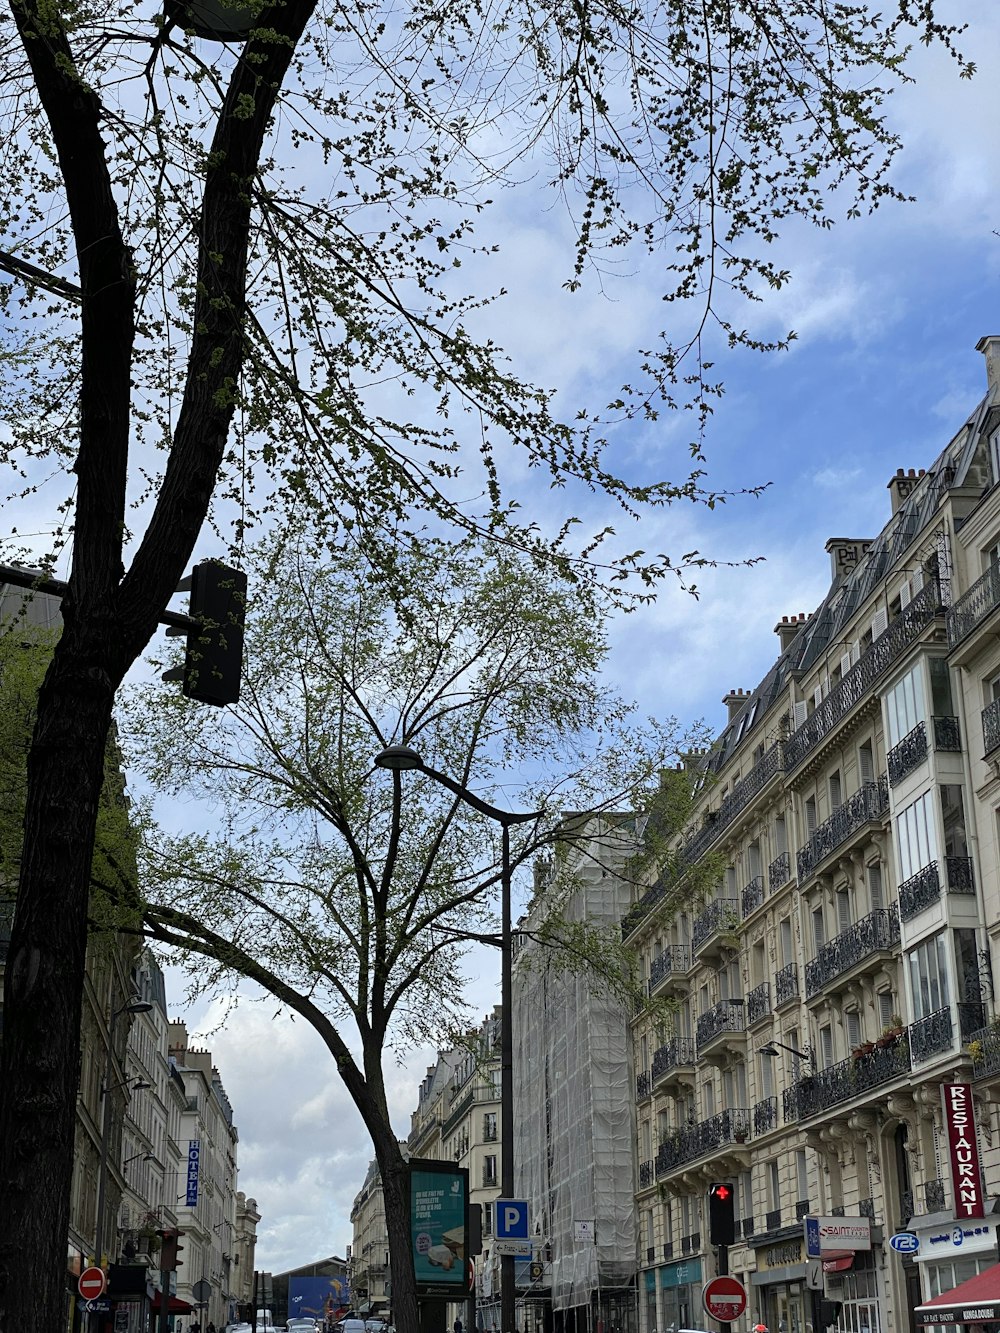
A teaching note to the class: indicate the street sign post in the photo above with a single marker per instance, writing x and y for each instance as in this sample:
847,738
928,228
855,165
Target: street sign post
520,1249
724,1298
91,1283
512,1221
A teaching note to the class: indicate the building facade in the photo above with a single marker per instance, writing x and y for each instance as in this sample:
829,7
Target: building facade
826,928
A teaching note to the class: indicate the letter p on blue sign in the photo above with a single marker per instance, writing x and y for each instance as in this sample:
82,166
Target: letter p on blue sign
512,1219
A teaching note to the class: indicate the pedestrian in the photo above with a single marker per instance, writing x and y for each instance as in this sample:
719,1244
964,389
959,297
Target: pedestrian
458,1326
211,1326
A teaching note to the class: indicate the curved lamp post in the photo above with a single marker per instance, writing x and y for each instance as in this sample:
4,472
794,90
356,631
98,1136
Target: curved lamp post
806,1053
401,759
107,1087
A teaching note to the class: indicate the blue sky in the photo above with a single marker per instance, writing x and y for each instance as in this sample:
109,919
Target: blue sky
888,310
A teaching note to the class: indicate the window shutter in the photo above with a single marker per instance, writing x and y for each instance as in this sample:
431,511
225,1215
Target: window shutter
880,622
905,594
845,664
800,712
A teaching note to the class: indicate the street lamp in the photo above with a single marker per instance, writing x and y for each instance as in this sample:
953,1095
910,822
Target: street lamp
401,759
806,1053
107,1087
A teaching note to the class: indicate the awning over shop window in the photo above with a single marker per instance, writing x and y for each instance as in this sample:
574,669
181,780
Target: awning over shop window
176,1306
976,1301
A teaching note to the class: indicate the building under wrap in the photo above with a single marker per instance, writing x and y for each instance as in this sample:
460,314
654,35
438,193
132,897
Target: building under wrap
573,1105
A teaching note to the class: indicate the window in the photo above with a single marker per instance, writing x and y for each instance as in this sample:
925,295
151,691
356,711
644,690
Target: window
819,929
487,1219
773,1185
866,762
852,1025
836,797
953,819
845,915
490,1126
876,897
801,1174
929,976
941,700
904,705
886,1008
826,1047
780,834
916,843
785,939
490,1169
810,810
767,1077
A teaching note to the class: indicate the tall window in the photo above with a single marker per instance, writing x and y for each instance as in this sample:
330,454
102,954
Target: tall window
916,842
929,976
785,939
904,705
876,897
490,1126
487,1219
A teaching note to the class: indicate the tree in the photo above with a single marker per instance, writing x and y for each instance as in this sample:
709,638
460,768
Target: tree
351,895
332,166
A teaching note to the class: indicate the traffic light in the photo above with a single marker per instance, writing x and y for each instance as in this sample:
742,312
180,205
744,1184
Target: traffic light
829,1312
721,1214
169,1249
213,653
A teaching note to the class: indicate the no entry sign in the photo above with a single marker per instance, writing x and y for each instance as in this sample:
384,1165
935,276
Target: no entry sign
724,1298
91,1283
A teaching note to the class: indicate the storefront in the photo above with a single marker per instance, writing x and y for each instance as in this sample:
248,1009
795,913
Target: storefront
680,1295
778,1294
952,1252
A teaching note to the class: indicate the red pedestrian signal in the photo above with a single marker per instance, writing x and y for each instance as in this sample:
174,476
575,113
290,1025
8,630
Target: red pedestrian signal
721,1214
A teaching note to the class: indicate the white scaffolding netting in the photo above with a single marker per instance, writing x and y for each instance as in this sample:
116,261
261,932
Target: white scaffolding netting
573,1109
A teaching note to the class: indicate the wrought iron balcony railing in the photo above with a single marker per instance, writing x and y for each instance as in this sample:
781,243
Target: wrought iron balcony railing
765,1115
911,751
747,1226
935,1198
676,1053
972,609
719,917
971,1018
991,726
668,1250
959,872
772,1220
786,984
844,1081
690,1141
947,734
647,1175
869,802
931,1034
643,1085
671,962
752,896
802,1207
984,1047
772,763
726,1016
877,931
855,686
691,1244
919,891
779,872
866,1208
758,1003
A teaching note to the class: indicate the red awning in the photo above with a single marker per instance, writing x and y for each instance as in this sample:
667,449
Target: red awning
176,1306
976,1301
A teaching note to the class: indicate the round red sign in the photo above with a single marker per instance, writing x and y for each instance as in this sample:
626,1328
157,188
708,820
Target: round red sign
725,1298
91,1283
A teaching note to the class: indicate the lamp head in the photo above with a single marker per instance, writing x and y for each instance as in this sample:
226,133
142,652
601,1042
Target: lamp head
767,1049
399,759
136,1007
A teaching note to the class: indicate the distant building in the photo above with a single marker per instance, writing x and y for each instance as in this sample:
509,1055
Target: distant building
369,1269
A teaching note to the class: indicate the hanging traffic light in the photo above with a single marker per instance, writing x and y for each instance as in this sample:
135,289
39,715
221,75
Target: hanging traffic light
213,652
721,1213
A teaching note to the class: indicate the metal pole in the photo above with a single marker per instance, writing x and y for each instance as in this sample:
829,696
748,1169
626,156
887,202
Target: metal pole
507,1292
102,1178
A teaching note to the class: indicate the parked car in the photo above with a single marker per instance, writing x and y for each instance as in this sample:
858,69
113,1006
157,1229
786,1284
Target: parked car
375,1324
352,1324
301,1324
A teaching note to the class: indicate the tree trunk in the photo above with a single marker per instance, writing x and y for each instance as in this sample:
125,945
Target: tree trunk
396,1192
39,1072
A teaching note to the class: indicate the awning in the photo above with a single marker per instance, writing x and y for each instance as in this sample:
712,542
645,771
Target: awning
176,1305
976,1301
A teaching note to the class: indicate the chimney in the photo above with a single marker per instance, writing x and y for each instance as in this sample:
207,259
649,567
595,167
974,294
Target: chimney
990,348
787,628
734,701
901,485
845,555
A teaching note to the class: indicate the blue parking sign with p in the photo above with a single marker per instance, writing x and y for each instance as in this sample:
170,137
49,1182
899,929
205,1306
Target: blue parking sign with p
512,1219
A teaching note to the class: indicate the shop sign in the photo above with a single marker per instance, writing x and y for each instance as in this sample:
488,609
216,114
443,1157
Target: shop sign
780,1256
960,1126
194,1161
904,1242
823,1234
969,1239
681,1274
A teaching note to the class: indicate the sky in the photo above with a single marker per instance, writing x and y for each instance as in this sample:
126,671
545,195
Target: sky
887,311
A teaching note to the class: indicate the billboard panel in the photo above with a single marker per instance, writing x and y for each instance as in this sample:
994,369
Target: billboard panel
317,1297
439,1223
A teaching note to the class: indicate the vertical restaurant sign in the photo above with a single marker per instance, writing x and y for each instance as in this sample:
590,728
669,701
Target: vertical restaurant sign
194,1159
439,1195
960,1126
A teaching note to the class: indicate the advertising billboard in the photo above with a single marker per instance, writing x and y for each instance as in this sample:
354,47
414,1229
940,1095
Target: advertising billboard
317,1297
439,1222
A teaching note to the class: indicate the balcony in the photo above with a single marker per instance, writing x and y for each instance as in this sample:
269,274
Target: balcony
765,1116
866,1208
671,966
991,726
931,1035
786,984
984,1047
802,1209
869,803
668,1250
845,1081
720,1019
689,1142
911,751
758,1003
752,896
923,889
746,1227
647,1175
973,608
673,1056
719,918
643,1085
856,685
691,1244
935,1198
779,872
772,1220
971,1017
735,803
873,934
